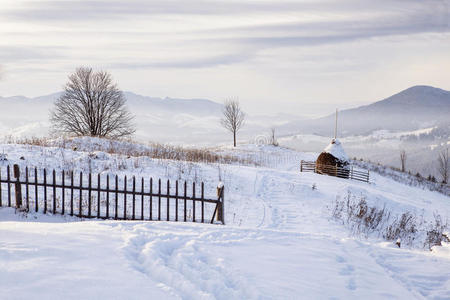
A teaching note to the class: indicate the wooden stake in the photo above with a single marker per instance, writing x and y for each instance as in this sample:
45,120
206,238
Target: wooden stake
18,187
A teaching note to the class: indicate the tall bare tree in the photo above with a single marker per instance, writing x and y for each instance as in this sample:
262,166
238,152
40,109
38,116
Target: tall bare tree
233,117
443,165
403,159
93,105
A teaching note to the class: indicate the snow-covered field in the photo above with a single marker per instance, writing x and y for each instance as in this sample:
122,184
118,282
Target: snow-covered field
280,240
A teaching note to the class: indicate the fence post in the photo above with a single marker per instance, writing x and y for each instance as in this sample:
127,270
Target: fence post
222,206
221,209
301,166
18,188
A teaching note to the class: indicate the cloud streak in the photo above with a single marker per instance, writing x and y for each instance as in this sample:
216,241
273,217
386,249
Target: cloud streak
189,63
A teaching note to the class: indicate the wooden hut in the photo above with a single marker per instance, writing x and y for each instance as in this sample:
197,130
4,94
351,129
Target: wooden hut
333,160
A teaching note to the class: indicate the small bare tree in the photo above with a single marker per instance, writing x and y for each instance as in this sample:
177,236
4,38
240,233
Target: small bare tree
233,117
93,105
403,159
443,165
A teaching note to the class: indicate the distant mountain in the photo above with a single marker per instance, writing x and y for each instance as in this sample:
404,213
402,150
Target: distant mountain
188,106
414,108
173,120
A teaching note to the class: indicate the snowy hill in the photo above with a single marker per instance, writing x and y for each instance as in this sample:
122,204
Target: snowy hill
282,238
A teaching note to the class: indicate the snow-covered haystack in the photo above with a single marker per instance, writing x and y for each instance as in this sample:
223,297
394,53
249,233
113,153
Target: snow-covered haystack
333,156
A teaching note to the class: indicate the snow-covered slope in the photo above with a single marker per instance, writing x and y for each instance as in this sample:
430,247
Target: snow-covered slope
279,242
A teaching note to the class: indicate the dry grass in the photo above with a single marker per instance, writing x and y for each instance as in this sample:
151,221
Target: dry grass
133,149
407,228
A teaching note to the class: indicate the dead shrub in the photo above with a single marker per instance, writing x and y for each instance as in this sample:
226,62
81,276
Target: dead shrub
403,227
132,149
358,215
436,232
407,229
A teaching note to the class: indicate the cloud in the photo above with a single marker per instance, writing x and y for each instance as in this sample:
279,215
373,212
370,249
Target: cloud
14,54
83,10
45,11
188,63
311,33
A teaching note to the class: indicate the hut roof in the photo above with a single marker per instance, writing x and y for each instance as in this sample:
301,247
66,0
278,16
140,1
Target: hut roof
335,148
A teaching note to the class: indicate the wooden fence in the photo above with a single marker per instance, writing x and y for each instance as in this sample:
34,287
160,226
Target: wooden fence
83,197
310,166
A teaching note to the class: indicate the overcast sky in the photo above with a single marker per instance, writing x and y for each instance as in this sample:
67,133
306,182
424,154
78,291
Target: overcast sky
276,56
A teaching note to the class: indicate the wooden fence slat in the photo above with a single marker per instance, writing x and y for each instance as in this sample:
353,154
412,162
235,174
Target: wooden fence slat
17,187
89,194
107,196
185,201
142,198
80,203
159,200
54,191
71,193
168,200
193,201
36,201
222,205
176,200
151,198
125,197
117,198
27,193
45,191
133,217
63,192
8,178
203,202
99,186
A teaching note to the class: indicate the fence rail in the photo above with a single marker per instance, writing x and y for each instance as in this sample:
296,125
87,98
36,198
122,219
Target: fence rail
108,197
310,166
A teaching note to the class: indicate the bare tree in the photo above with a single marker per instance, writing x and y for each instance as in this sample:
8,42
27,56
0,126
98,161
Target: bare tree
403,159
233,117
443,165
93,105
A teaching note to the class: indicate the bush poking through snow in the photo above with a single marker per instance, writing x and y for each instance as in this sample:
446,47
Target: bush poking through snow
436,233
355,213
363,219
403,228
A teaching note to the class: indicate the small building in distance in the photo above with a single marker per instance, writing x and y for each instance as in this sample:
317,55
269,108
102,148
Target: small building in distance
333,160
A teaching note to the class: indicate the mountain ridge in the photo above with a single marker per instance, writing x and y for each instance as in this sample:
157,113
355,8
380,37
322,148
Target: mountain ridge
414,108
